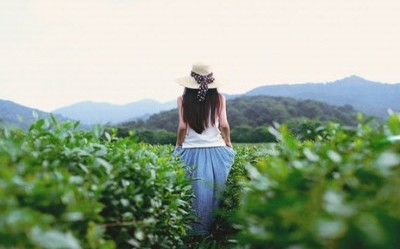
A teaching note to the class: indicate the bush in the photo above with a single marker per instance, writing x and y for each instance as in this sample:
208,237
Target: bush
63,188
248,134
340,191
147,198
150,136
223,230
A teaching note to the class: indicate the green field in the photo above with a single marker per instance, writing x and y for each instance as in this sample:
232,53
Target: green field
65,188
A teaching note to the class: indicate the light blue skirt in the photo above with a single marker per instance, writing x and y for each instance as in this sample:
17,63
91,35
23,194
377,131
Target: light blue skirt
209,169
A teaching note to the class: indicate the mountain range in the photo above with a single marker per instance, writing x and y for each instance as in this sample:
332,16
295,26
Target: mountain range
373,98
90,112
370,97
18,115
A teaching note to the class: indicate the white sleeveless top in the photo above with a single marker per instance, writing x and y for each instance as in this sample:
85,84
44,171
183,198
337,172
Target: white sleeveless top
210,137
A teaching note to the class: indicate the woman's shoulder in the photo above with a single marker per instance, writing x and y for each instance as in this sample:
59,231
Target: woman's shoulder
221,97
179,99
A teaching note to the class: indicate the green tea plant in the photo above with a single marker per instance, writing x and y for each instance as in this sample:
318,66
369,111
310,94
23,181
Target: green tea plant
65,188
339,191
147,199
245,154
43,202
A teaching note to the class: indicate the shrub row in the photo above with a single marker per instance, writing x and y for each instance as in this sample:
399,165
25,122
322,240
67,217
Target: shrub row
339,191
64,188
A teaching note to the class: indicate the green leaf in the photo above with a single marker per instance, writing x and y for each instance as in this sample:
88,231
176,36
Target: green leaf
394,124
104,163
53,239
108,137
94,235
139,234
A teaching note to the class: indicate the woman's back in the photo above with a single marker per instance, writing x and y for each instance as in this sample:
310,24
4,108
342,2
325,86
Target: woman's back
210,137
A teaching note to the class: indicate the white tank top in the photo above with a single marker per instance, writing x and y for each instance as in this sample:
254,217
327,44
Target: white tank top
210,137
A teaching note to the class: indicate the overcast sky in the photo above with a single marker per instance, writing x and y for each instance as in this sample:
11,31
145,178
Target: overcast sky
57,52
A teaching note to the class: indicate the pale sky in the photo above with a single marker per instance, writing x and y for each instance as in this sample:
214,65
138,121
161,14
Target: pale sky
58,52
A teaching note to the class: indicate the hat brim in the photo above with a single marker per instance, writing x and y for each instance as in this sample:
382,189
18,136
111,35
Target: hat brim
190,82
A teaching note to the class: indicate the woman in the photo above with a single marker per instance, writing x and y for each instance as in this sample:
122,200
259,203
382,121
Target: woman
203,142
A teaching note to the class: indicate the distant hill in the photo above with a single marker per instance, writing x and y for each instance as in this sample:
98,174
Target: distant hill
373,98
21,116
256,111
91,112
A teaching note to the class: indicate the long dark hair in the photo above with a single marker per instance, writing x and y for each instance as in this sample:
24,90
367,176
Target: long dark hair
196,113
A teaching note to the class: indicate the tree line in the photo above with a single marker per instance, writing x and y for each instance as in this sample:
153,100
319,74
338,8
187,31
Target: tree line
249,119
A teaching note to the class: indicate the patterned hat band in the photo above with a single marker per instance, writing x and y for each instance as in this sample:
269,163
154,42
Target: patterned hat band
203,80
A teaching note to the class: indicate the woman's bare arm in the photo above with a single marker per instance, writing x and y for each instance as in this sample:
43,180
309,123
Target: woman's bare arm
223,122
182,127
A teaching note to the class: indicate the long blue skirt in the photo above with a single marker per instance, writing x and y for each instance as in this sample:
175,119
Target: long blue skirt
209,169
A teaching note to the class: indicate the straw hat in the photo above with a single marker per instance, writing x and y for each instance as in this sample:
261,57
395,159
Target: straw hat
202,69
